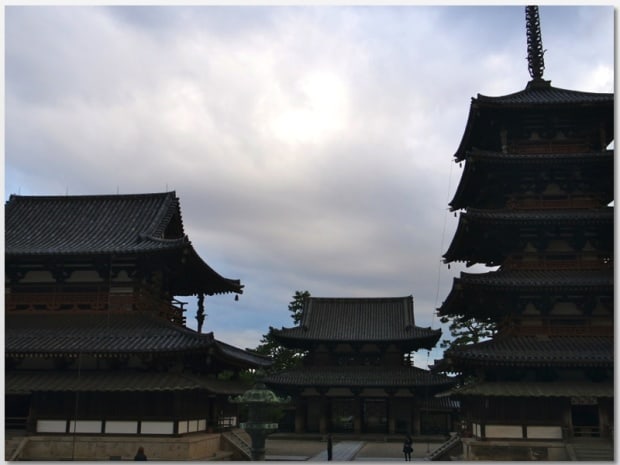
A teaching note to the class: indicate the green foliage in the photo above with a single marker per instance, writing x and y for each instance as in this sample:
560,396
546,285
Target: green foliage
297,304
248,377
284,358
467,330
270,414
225,375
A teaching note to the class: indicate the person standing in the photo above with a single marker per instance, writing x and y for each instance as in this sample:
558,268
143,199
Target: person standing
140,455
408,448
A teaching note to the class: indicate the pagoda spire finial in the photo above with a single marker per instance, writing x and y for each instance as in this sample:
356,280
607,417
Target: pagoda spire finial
535,52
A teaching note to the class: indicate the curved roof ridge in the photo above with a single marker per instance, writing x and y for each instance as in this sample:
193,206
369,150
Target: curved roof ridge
87,223
16,197
161,220
545,94
373,319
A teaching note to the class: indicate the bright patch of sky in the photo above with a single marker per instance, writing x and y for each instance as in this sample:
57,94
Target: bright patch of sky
311,146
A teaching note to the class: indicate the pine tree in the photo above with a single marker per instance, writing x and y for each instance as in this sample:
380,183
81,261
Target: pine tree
284,358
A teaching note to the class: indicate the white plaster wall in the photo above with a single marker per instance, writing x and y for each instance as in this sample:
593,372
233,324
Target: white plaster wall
85,426
51,426
544,432
503,431
121,427
156,427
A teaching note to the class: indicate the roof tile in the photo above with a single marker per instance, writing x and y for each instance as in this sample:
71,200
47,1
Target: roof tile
62,333
90,224
540,351
362,376
358,320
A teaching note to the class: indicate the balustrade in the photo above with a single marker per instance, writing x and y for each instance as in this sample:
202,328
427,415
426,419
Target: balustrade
563,330
542,203
91,301
58,301
556,262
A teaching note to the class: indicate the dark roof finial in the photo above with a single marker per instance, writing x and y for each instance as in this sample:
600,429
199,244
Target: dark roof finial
535,52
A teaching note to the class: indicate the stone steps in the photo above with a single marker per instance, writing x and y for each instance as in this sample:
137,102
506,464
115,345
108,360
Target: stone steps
594,452
14,445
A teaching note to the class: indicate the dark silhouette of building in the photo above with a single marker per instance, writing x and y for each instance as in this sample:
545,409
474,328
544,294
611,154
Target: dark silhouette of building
535,198
357,374
95,338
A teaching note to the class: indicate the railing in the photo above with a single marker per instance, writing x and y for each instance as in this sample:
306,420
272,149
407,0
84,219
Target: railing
564,330
448,447
172,313
238,443
586,431
534,148
56,301
15,423
17,452
557,263
92,301
552,204
227,422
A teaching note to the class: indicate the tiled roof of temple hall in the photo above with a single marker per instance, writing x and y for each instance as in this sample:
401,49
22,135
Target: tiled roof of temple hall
537,351
111,333
26,382
362,376
359,319
113,225
93,224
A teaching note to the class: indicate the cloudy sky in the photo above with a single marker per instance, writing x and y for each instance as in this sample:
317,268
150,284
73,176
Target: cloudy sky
311,146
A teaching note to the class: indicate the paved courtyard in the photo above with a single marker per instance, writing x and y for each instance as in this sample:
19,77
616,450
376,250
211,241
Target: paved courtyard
316,450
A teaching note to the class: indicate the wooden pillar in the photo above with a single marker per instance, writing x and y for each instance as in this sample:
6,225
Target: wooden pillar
391,411
357,409
604,417
212,414
415,421
567,432
415,413
323,419
31,421
300,415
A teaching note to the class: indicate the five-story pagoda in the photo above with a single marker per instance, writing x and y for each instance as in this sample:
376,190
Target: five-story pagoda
535,198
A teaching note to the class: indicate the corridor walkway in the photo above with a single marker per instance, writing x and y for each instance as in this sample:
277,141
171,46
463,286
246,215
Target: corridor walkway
343,451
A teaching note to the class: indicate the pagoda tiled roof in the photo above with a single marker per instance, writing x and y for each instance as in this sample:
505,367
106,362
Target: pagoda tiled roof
538,279
539,158
475,294
358,376
505,226
26,382
556,351
536,96
50,227
544,93
48,333
560,216
532,389
482,164
377,320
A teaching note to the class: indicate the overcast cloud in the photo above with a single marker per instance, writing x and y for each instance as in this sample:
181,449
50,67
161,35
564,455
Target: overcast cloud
311,147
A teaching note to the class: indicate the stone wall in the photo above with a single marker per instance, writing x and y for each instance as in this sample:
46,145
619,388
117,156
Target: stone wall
108,447
506,450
